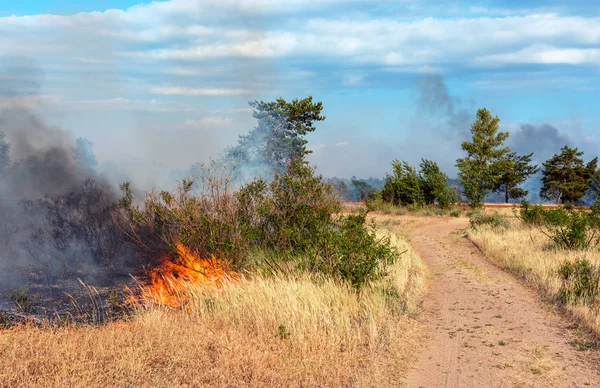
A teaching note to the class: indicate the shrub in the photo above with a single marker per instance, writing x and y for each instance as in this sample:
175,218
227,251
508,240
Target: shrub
294,215
580,282
290,213
495,220
531,215
566,227
206,221
456,213
414,207
353,252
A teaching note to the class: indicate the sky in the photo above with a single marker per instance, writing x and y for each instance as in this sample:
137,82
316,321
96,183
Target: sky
161,85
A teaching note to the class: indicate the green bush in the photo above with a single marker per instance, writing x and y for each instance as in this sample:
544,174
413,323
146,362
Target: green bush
292,220
495,220
295,215
353,252
566,227
456,213
531,215
580,282
201,213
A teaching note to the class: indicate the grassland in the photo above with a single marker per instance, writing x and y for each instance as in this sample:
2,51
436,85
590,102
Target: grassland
292,330
527,253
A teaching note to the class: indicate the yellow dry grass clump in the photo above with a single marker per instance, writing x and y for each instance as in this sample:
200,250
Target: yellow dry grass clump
261,331
527,253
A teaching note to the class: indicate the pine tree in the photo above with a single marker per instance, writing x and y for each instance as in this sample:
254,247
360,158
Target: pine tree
481,169
279,135
566,177
516,171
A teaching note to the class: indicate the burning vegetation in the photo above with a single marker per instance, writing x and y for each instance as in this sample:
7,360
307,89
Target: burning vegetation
171,279
69,227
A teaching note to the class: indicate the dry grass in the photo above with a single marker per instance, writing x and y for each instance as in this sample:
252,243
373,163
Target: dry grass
526,252
278,331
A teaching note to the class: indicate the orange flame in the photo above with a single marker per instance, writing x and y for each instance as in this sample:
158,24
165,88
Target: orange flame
170,281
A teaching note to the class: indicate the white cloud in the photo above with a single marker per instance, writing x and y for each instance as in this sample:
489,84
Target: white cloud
211,122
544,55
185,91
342,144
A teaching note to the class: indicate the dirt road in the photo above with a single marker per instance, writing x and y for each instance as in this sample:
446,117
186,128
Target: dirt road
486,328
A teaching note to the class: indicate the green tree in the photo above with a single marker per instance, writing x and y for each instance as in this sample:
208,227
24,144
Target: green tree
566,177
84,154
516,171
403,186
278,136
481,169
4,152
434,184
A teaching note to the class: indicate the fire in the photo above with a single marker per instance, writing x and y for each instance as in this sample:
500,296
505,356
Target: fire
170,281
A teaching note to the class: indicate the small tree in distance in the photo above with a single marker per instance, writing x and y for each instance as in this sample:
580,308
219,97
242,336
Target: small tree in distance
403,185
434,184
481,169
566,177
516,171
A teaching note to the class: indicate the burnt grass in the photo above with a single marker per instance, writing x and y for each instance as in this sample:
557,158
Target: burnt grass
69,301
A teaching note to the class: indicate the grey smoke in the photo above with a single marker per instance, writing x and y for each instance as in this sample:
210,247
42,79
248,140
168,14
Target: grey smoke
543,140
434,100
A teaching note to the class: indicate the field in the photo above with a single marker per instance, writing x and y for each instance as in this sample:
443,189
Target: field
443,308
288,330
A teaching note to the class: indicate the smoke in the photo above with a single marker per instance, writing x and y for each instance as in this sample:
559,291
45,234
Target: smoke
543,140
55,210
435,101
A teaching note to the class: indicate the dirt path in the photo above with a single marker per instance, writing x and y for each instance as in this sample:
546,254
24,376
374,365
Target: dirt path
486,329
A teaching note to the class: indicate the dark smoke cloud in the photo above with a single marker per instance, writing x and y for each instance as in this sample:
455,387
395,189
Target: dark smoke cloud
434,100
42,157
543,140
43,166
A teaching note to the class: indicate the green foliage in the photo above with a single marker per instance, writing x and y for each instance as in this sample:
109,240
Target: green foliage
566,227
516,170
566,177
434,184
531,214
278,136
456,213
571,229
495,220
206,222
294,215
407,187
288,213
353,252
403,186
581,281
481,169
292,219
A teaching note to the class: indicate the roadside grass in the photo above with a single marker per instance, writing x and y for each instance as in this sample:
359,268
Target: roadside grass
281,330
525,252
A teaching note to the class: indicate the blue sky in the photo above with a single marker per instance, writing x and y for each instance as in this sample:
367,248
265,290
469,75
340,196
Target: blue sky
161,85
